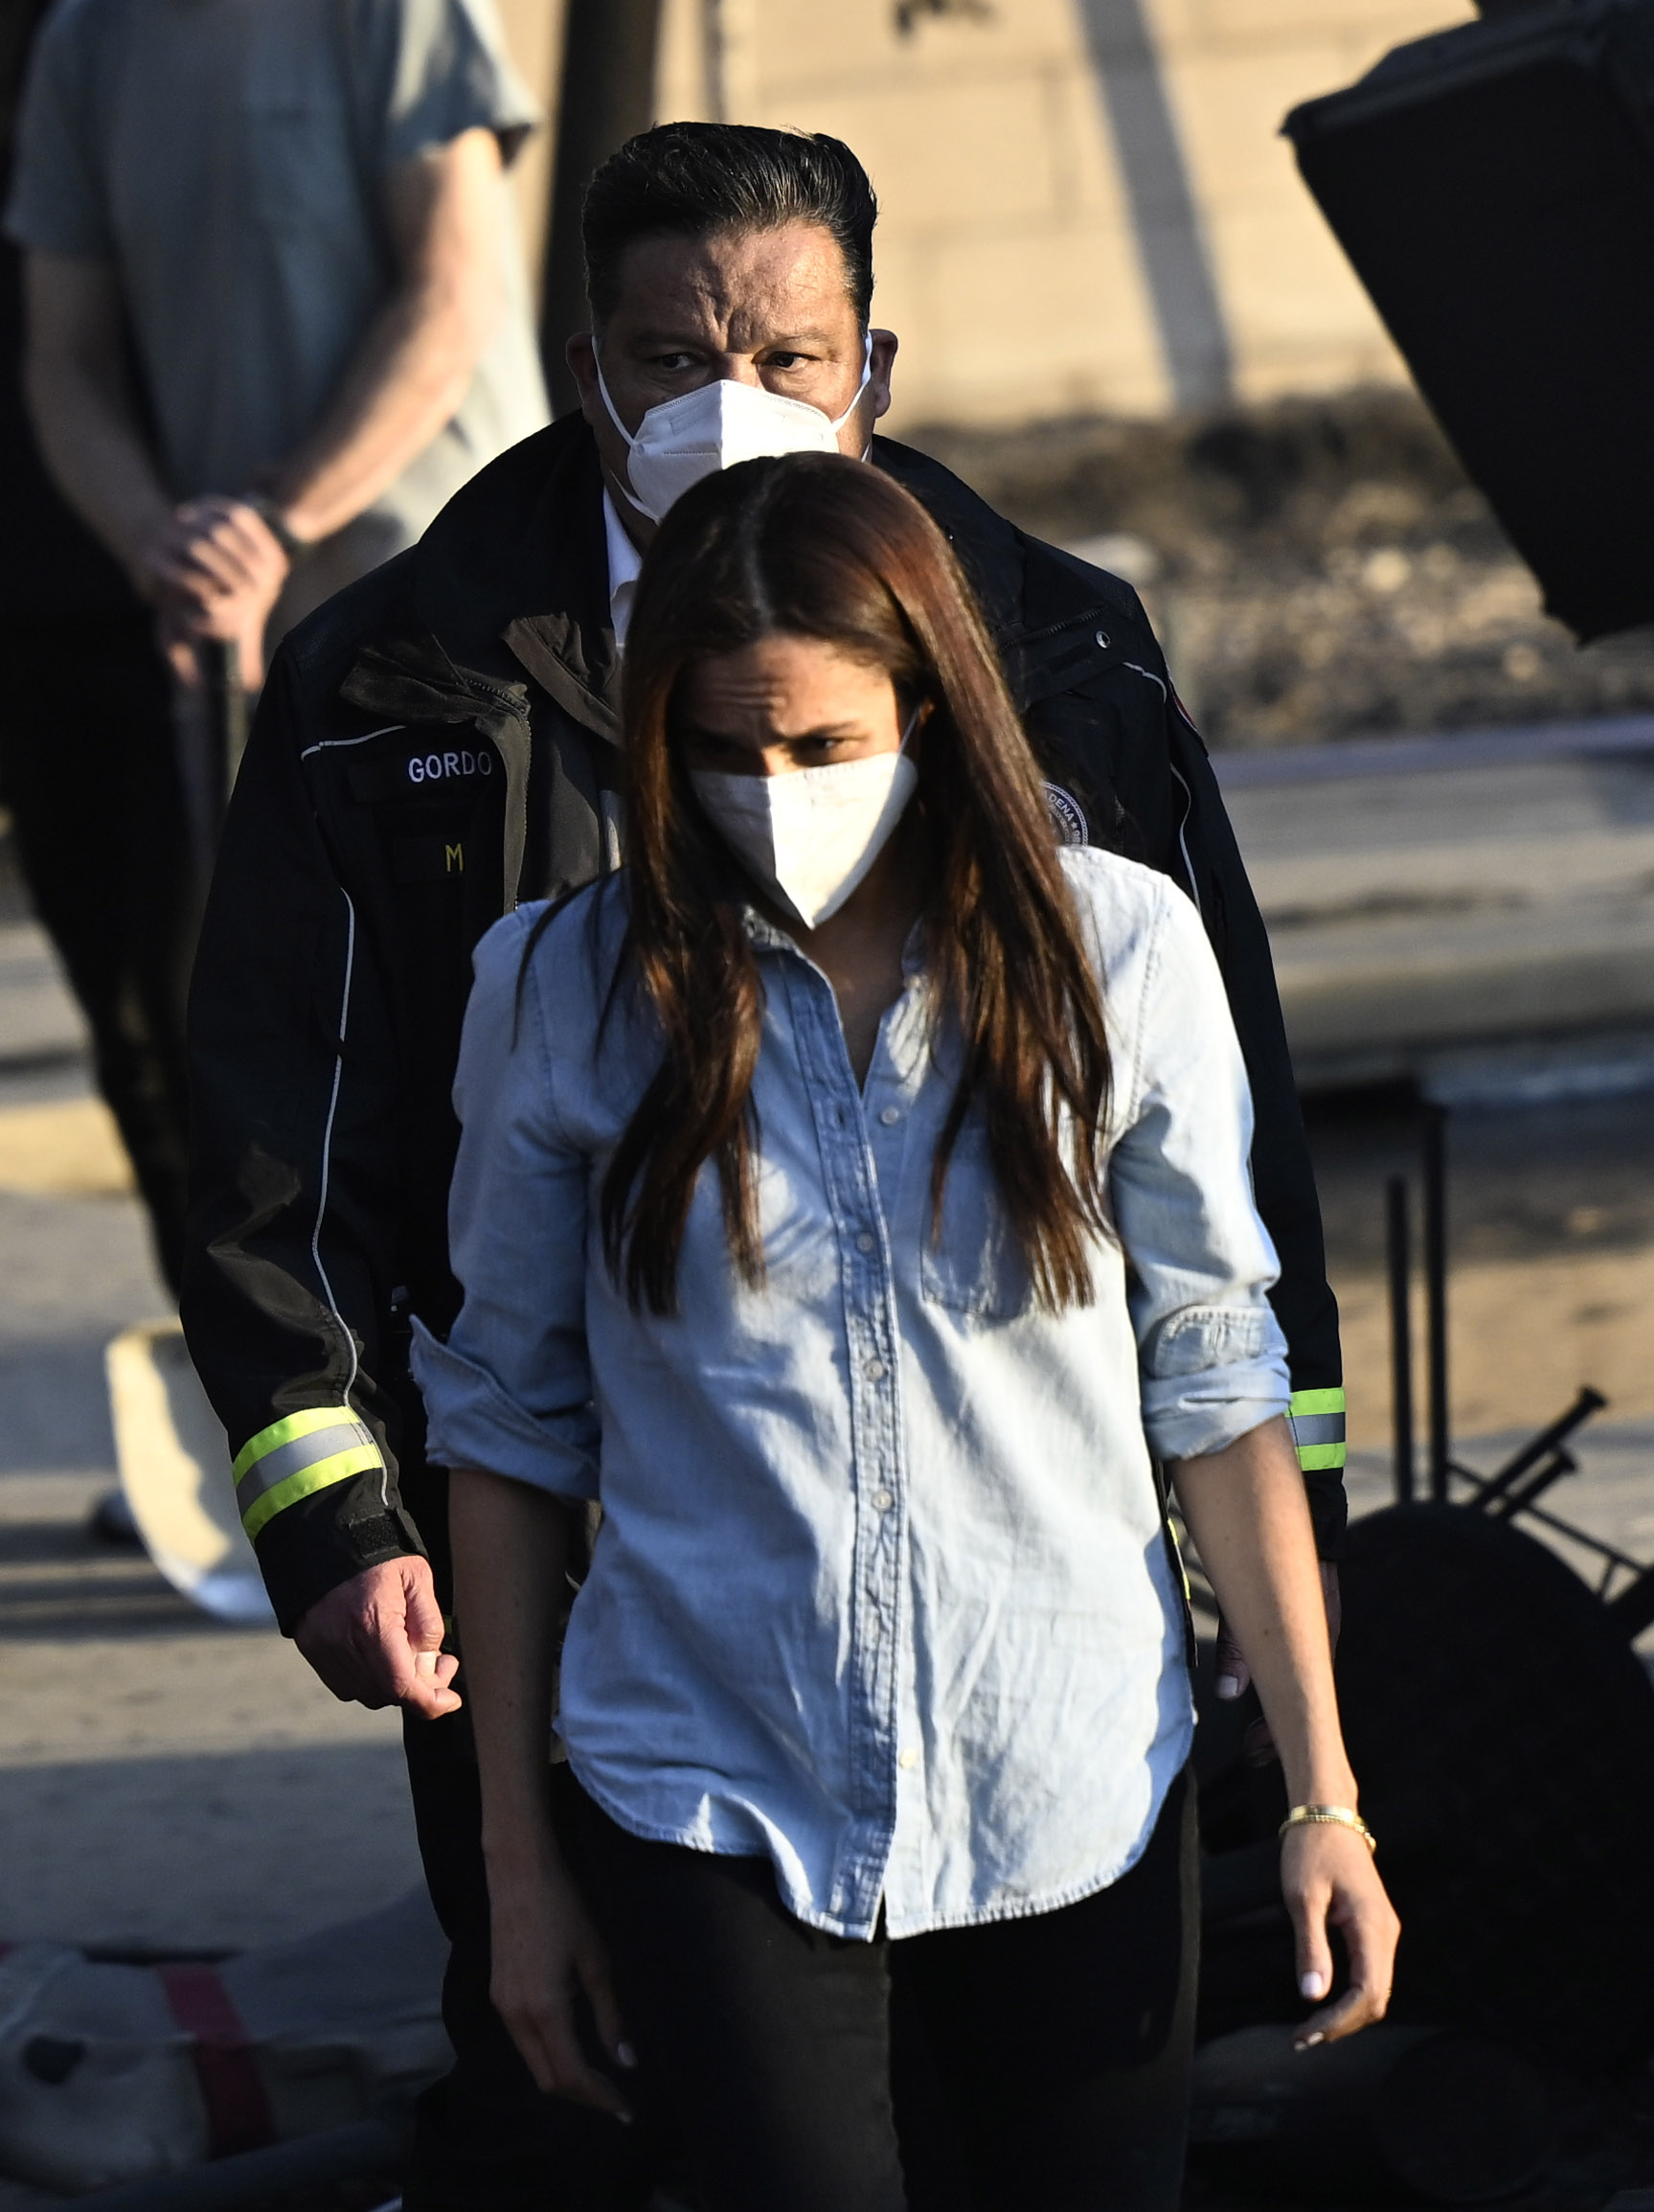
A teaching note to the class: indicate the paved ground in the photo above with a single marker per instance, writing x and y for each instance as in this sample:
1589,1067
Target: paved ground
163,1781
1435,903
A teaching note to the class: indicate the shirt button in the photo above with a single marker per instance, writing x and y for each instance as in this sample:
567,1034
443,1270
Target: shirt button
889,1116
908,1761
883,1499
864,1242
874,1370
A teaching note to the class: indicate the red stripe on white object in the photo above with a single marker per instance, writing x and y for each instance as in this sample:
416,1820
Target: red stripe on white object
239,2116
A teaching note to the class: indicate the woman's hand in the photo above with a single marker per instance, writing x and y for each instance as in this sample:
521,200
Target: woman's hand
544,1945
511,1566
1328,1880
1246,1512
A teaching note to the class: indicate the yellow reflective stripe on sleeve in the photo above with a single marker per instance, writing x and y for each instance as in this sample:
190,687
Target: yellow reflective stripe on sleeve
361,1459
1317,1418
297,1456
287,1431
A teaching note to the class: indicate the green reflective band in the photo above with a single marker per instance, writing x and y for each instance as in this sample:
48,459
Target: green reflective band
1318,1401
1313,1457
1317,1418
299,1455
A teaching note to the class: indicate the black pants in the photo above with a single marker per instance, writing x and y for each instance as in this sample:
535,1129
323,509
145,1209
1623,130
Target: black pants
1031,2066
485,2138
89,770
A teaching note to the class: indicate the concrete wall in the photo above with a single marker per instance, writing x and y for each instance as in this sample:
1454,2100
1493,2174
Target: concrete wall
1086,204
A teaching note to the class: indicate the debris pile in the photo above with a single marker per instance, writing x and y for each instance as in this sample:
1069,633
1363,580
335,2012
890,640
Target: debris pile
1318,568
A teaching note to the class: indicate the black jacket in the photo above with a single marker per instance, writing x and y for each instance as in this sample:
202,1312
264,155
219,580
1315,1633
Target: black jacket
439,741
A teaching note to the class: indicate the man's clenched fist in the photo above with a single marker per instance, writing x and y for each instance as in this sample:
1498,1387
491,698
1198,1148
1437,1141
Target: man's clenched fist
378,1639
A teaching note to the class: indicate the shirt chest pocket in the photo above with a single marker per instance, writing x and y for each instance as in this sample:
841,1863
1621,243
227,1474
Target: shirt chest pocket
973,1263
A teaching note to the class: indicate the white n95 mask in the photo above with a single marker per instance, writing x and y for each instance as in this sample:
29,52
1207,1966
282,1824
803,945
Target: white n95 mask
713,427
809,836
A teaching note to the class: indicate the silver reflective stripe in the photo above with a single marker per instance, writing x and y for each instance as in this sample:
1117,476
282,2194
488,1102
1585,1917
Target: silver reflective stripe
1317,1427
293,1458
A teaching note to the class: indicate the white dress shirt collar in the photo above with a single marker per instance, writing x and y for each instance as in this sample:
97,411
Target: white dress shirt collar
625,562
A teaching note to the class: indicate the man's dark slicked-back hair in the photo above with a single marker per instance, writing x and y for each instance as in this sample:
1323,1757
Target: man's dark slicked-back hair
696,179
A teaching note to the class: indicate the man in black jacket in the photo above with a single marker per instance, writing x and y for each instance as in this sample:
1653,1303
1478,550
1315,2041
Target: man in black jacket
439,743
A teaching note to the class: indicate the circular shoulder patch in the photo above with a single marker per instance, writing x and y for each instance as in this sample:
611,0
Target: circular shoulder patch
1067,815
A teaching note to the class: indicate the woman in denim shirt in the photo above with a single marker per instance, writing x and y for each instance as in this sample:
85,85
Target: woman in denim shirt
853,1198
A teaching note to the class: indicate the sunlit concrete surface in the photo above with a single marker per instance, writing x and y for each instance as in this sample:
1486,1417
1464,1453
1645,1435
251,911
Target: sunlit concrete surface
1423,897
164,1782
1609,1497
1524,1333
68,1146
39,1019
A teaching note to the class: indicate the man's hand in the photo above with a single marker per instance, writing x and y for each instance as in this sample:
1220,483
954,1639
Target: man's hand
377,1639
215,569
1233,1676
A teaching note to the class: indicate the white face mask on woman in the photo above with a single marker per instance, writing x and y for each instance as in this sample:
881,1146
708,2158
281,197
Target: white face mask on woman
809,836
715,425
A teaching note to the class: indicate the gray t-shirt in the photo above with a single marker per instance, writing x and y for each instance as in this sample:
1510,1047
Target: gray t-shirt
229,157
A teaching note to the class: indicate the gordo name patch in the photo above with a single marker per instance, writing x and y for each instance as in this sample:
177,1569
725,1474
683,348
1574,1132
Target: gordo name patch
443,767
1066,817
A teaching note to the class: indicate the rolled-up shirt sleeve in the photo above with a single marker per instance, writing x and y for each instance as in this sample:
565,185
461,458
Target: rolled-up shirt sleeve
1212,1356
510,1390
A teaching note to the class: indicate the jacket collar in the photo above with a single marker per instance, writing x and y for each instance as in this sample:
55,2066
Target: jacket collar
512,579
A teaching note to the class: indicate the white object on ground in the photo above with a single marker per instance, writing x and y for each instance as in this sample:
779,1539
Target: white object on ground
174,1461
102,2081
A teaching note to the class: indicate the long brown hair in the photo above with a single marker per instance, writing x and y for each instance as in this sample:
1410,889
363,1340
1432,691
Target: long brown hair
821,547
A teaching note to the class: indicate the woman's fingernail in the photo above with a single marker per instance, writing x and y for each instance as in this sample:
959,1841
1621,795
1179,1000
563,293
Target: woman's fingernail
1313,1984
625,2054
1228,1686
1309,2042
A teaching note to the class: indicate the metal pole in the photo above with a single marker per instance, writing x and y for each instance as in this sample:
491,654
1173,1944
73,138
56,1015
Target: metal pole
606,96
1548,1441
1397,1262
1436,1293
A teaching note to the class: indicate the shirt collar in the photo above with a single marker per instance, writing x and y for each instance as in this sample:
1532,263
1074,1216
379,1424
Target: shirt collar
767,936
625,562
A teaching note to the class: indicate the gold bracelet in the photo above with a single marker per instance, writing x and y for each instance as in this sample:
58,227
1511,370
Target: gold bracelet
1331,1817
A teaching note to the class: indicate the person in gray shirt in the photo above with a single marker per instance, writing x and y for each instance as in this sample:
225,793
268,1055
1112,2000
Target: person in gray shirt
275,306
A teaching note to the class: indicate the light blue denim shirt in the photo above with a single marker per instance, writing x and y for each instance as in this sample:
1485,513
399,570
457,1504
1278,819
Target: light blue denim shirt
881,1589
